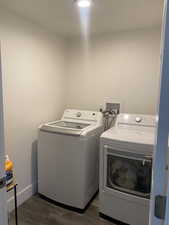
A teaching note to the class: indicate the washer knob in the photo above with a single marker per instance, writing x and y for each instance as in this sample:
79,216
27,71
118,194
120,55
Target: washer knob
138,119
78,114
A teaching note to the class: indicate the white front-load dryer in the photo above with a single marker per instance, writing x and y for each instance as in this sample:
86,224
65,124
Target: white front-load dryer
125,169
68,158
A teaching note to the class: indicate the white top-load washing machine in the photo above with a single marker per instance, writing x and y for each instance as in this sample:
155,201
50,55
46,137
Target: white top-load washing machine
68,158
125,168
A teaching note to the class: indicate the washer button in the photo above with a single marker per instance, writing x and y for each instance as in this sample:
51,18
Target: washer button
78,114
138,119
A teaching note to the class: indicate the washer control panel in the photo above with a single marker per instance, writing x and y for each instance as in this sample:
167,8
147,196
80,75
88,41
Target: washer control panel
82,115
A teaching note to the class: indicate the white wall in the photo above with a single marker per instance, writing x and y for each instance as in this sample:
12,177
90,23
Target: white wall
33,81
123,66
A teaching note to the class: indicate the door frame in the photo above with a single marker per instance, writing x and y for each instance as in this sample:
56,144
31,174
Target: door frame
160,164
3,199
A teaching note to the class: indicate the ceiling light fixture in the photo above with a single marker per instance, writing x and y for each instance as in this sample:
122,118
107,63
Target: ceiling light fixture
83,3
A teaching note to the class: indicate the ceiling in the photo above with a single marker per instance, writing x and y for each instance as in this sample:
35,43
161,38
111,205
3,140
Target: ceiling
61,16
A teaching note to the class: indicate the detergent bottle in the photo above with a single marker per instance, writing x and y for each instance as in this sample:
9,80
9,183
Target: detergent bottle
8,170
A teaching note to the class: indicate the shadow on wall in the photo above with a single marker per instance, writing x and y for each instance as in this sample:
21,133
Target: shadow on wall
34,166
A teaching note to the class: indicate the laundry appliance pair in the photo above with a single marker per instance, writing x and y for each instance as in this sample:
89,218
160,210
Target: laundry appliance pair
68,158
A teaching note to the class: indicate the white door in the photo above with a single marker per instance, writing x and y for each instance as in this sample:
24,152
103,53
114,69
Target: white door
159,215
3,203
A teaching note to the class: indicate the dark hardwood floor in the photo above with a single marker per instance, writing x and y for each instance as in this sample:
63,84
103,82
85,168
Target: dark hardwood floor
37,211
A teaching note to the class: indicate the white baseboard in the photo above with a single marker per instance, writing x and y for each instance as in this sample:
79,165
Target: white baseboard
22,196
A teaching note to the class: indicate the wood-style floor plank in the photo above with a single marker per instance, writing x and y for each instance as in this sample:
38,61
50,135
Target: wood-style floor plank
37,211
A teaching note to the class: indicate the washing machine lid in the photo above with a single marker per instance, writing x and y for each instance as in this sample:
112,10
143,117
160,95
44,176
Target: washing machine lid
72,125
65,127
75,122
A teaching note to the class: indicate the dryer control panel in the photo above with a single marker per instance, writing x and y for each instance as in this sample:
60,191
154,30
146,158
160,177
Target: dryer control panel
135,120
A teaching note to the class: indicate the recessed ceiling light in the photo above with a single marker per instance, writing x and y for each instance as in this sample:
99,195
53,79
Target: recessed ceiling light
83,3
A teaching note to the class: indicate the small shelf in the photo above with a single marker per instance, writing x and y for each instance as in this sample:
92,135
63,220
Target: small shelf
10,187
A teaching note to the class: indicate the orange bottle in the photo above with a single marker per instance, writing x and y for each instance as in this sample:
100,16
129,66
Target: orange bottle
8,164
9,170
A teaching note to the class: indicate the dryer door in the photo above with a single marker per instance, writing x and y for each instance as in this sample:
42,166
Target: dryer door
128,172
